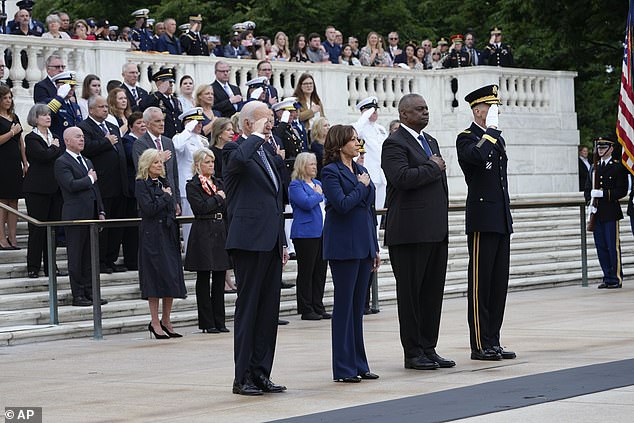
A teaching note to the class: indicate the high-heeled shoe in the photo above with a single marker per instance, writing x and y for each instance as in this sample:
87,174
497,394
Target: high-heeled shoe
153,332
170,334
13,246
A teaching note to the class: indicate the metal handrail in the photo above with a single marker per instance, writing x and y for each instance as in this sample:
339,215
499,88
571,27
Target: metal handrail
95,225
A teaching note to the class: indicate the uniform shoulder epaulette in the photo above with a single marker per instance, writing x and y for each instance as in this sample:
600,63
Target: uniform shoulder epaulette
190,36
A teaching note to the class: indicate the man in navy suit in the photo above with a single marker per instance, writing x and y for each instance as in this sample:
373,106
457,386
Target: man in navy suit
257,245
102,145
168,41
77,180
417,192
227,97
45,90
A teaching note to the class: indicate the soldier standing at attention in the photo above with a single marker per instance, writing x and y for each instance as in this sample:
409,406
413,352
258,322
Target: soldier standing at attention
497,53
191,41
611,186
164,99
482,157
141,36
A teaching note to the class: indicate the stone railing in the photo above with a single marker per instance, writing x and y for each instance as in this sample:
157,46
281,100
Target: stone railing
538,115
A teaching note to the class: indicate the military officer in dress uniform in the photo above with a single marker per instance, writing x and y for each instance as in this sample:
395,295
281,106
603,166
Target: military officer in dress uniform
64,109
191,41
458,56
607,184
482,157
163,99
285,112
496,52
140,35
257,89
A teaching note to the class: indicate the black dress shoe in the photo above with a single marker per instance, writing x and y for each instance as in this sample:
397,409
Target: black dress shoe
368,375
353,379
311,316
613,286
292,256
34,274
231,291
420,363
281,322
247,388
210,330
442,362
223,329
326,316
505,354
105,269
266,385
102,301
82,302
488,354
287,285
117,268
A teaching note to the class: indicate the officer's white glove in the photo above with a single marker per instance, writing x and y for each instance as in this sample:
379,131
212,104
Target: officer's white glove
255,94
367,113
286,115
596,193
63,90
189,127
492,116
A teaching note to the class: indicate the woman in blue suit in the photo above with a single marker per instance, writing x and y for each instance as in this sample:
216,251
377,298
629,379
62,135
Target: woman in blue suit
351,246
305,195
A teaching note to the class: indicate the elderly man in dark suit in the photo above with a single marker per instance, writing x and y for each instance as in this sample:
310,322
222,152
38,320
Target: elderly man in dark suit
417,192
153,138
77,180
102,145
45,90
257,245
135,94
227,97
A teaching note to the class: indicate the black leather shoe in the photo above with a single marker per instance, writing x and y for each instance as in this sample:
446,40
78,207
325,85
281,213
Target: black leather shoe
311,316
266,385
281,322
34,274
353,379
613,286
247,388
60,273
102,301
505,354
326,316
287,285
420,363
442,362
211,330
82,302
602,285
487,354
105,269
368,375
117,268
223,329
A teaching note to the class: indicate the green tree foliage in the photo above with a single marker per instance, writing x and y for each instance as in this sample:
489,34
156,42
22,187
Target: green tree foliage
580,35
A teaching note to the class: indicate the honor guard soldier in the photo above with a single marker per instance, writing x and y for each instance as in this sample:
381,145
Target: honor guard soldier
458,56
257,89
140,35
607,184
163,99
497,53
64,109
482,157
285,112
191,41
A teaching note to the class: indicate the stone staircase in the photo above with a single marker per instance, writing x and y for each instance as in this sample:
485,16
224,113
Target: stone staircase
545,252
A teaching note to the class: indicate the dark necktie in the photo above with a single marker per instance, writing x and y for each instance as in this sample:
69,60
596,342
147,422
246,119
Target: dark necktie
82,163
159,145
103,127
134,94
425,144
267,165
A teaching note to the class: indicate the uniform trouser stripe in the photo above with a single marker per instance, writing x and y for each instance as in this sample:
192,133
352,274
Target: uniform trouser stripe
476,311
619,274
